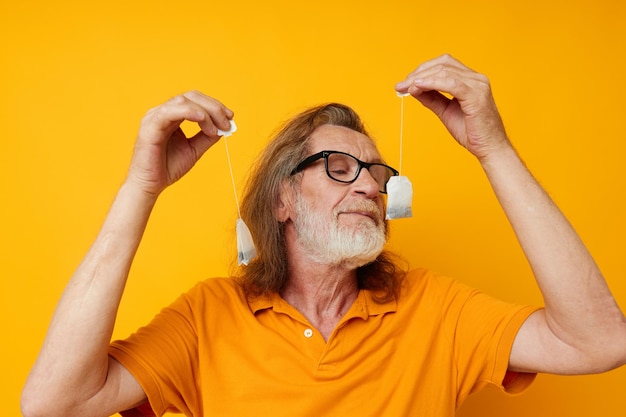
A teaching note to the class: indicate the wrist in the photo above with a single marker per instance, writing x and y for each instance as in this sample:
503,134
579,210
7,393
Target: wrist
135,190
501,154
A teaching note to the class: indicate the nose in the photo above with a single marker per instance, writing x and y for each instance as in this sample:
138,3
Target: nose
366,185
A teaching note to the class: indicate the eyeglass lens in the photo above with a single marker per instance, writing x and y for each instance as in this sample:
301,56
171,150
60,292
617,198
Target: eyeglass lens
345,168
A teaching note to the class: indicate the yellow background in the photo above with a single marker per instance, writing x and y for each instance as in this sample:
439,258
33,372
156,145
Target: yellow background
76,78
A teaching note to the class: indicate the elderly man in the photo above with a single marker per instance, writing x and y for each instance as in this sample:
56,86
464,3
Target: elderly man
323,322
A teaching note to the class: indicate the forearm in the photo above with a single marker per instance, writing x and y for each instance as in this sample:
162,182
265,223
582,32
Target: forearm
74,358
580,310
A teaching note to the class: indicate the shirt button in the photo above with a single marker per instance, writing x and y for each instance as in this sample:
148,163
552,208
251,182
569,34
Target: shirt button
308,333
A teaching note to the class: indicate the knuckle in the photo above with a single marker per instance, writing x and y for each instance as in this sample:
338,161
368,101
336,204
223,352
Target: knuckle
177,100
154,113
483,79
160,113
191,94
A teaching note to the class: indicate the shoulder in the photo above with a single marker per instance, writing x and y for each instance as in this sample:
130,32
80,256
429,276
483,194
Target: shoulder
420,281
221,286
429,291
212,293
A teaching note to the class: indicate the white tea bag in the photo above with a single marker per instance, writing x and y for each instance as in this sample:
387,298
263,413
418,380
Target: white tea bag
245,246
399,187
399,198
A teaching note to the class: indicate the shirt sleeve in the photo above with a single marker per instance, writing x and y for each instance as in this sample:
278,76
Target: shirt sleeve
163,357
485,331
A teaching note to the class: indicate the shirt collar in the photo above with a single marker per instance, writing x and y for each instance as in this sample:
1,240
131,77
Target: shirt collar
365,305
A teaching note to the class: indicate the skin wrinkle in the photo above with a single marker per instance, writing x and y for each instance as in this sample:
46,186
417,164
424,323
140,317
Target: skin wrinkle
334,302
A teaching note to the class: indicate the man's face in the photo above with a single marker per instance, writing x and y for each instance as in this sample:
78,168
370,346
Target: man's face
340,223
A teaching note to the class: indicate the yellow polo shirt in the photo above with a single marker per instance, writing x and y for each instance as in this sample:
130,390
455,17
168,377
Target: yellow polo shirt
213,353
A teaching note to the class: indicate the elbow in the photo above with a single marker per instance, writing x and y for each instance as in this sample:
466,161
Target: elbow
617,351
607,362
29,405
617,357
34,403
610,352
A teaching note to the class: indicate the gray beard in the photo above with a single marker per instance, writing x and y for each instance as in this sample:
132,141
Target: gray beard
329,243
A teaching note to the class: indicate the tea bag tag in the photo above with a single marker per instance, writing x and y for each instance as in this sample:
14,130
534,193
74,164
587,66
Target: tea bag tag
245,246
399,198
226,133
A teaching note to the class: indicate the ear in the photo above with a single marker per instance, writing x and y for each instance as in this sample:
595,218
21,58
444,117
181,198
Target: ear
284,204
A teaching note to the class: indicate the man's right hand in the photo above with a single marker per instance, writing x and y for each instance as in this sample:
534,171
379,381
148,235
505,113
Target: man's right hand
163,154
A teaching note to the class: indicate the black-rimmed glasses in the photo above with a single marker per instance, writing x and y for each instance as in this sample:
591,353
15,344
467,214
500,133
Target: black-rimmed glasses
345,168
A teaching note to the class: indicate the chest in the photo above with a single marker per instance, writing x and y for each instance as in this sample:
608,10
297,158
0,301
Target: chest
367,366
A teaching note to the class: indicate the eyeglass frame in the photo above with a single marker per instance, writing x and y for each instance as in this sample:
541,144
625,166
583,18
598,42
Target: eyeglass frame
326,153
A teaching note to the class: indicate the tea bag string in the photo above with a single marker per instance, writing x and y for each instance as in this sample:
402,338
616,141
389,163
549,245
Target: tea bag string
232,177
401,130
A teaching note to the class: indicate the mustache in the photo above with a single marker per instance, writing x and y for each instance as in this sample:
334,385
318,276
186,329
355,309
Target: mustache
363,206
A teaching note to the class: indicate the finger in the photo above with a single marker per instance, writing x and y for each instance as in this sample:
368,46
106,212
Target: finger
443,61
446,60
162,121
403,85
461,85
434,101
200,142
444,66
219,114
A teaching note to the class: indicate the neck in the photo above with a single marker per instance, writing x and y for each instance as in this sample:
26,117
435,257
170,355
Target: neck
322,293
322,288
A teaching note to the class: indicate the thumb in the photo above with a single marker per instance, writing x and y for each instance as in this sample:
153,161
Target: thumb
201,143
435,101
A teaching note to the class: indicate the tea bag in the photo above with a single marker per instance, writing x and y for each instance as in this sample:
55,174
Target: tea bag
399,188
399,197
245,245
